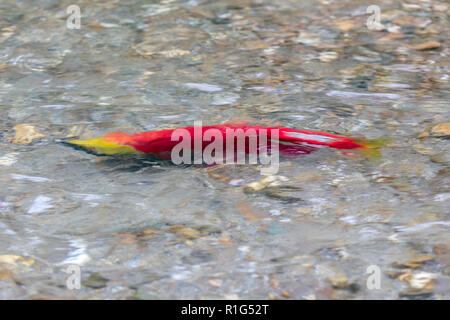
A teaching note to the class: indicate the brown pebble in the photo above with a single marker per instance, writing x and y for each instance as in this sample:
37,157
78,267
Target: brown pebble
426,46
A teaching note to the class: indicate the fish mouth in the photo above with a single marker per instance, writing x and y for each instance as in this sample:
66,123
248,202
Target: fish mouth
75,146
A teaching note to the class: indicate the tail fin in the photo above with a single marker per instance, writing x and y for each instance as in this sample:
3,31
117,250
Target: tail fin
369,148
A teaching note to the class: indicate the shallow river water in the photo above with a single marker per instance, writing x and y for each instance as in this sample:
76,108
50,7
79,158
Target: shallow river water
335,227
